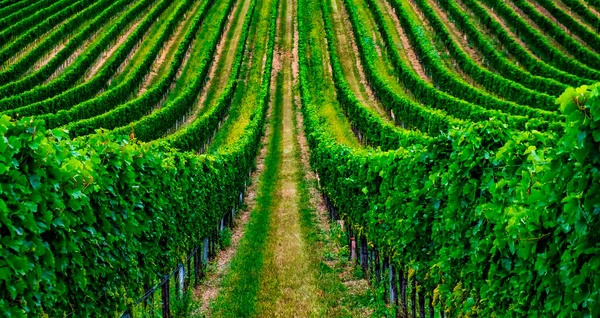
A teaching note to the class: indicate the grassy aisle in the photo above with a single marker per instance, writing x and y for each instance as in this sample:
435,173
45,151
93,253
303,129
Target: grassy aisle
288,284
279,269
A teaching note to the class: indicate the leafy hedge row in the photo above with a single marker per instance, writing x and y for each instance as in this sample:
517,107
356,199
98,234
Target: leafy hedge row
244,150
427,120
585,34
494,58
9,9
130,86
200,131
36,78
24,63
37,29
138,107
452,84
542,48
375,130
91,222
68,78
6,3
528,61
156,124
91,88
582,10
20,11
580,52
507,89
424,91
87,224
54,14
491,221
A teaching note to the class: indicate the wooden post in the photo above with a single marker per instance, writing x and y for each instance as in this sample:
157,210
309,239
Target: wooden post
145,305
349,237
363,255
152,305
197,268
354,249
422,304
385,266
189,274
166,311
205,245
393,286
431,307
181,281
414,297
377,266
403,284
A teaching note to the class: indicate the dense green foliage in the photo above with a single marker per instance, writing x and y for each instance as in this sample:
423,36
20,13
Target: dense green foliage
489,198
526,244
43,93
82,219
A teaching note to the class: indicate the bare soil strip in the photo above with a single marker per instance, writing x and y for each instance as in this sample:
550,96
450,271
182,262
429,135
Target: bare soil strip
29,47
450,63
593,9
489,34
566,9
86,45
409,51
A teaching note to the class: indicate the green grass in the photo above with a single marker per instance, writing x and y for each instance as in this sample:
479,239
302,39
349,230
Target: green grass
237,296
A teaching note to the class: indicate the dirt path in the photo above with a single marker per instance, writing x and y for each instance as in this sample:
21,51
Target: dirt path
275,270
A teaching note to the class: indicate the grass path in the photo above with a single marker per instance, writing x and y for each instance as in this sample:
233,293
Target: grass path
287,285
279,268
